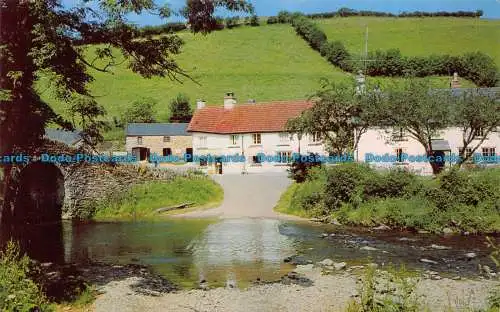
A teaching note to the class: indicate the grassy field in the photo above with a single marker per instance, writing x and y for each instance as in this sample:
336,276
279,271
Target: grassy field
271,62
416,36
142,201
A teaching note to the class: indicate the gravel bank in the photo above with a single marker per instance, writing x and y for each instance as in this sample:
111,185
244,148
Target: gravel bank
328,293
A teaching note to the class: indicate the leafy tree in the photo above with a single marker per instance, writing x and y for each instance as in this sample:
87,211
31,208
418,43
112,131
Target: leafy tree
142,110
339,115
180,109
85,113
45,39
421,113
254,20
478,115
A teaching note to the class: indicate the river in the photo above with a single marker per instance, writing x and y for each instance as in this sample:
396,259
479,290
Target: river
243,250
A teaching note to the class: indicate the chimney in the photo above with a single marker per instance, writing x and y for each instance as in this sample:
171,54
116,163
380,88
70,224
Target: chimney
229,100
200,104
455,82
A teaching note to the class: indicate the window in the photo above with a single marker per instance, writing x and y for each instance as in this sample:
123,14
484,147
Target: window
167,151
284,137
479,133
285,157
398,134
166,139
202,141
316,137
468,152
257,138
233,139
139,140
489,151
489,154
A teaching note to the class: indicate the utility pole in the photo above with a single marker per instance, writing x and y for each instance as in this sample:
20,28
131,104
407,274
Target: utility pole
366,48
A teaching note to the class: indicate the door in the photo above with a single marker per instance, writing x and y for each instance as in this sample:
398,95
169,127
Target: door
189,151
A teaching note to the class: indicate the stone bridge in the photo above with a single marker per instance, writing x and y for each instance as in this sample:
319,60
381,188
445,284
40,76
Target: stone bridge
48,192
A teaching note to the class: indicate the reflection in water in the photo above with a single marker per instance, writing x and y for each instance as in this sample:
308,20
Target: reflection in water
239,250
243,249
41,242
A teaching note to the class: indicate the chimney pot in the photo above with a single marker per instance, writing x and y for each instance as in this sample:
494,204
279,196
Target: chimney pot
200,104
229,100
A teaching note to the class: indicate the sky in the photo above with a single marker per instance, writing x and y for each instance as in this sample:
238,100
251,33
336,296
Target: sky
491,8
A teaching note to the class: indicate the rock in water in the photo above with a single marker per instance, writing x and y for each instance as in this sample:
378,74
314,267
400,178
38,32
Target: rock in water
470,255
428,261
368,248
382,227
438,247
304,268
339,266
326,262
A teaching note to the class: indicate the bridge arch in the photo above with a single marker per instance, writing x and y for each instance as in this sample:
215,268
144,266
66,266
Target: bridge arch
40,196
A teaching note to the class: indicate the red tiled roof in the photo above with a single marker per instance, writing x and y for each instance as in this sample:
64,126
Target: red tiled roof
247,118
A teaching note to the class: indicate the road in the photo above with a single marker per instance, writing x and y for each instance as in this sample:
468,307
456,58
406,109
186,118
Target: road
248,196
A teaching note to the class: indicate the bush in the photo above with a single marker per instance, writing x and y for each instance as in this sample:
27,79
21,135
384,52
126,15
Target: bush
342,181
310,32
480,68
299,169
272,20
142,110
18,292
337,54
254,21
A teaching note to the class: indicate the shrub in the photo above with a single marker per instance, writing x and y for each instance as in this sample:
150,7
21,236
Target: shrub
18,292
336,53
254,20
342,181
284,17
299,169
309,31
480,68
142,110
272,20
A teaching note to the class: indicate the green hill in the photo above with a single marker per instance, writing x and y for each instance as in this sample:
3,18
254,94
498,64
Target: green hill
271,62
417,36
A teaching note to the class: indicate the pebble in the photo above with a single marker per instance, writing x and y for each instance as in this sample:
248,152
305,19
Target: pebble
470,255
326,262
428,261
382,227
368,248
439,247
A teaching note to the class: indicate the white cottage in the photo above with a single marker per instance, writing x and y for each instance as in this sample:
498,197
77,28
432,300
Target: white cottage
249,137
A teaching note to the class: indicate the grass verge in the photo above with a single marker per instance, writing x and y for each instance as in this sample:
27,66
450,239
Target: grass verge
142,200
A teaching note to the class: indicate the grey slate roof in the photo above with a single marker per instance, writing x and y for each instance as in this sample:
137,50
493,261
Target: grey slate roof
440,145
63,136
157,129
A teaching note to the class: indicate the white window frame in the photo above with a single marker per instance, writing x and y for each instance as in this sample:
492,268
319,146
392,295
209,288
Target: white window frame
316,137
285,154
284,137
234,139
202,141
139,140
257,138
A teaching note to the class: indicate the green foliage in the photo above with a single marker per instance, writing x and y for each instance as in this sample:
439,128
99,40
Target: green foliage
141,111
310,32
272,20
355,194
143,199
162,29
180,109
87,115
301,166
18,292
383,291
336,53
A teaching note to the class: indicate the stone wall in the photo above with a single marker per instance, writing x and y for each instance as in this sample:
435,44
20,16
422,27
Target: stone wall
87,183
156,144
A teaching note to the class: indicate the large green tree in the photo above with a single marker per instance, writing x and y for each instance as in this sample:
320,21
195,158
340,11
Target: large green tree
340,116
44,39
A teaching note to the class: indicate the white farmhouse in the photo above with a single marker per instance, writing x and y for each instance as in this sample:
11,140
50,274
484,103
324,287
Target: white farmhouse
246,131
